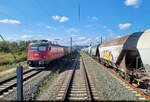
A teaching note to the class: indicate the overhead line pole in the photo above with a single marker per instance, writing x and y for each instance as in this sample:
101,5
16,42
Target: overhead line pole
101,40
19,76
71,44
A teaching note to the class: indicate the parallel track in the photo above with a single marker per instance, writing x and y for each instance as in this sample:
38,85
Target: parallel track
137,90
11,82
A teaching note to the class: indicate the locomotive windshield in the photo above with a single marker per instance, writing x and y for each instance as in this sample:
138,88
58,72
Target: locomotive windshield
38,48
42,48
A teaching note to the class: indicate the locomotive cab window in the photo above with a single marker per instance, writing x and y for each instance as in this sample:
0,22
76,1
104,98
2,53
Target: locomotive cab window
34,48
42,48
38,48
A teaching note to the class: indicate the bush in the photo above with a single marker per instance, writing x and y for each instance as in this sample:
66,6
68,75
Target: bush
19,49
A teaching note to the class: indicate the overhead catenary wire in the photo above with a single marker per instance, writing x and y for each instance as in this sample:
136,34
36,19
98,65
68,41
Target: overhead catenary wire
79,10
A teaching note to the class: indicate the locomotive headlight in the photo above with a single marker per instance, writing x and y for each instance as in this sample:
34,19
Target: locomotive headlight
41,62
29,56
44,56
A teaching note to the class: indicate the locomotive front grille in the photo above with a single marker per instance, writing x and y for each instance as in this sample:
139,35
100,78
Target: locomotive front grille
36,63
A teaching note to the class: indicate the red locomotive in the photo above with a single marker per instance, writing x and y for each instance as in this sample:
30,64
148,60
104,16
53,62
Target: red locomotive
40,54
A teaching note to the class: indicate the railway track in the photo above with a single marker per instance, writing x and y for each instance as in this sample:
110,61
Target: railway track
77,86
10,83
138,92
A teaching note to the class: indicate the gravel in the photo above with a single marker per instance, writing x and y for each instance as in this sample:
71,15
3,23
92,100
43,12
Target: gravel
107,85
51,92
32,86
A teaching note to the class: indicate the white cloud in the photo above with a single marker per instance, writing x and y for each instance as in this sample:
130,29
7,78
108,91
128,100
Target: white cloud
111,35
72,30
105,27
134,3
95,18
7,21
50,27
86,41
60,19
81,38
124,26
118,36
55,17
54,28
25,37
78,38
63,19
74,35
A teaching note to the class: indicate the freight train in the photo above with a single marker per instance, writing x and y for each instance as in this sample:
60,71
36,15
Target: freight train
40,54
128,55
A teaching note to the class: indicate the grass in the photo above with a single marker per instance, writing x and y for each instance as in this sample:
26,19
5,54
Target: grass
6,67
7,61
8,74
49,82
2,68
46,84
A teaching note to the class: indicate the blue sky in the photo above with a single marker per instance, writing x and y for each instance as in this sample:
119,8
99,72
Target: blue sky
58,19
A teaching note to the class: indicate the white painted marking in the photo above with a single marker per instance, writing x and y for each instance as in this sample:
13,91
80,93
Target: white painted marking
127,86
142,98
60,95
138,95
1,96
130,89
6,93
59,98
134,92
11,90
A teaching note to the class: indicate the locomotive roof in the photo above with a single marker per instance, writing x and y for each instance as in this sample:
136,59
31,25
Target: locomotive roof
44,43
39,43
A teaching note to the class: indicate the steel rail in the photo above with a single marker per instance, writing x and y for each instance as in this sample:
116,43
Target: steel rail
119,77
87,82
13,77
88,88
14,84
69,84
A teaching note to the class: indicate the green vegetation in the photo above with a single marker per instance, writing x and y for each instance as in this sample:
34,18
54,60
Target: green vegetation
48,82
19,49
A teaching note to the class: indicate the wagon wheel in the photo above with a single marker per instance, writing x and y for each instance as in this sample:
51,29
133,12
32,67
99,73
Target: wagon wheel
128,78
121,74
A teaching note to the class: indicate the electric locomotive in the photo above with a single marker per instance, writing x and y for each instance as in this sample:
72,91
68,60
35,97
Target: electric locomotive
40,54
